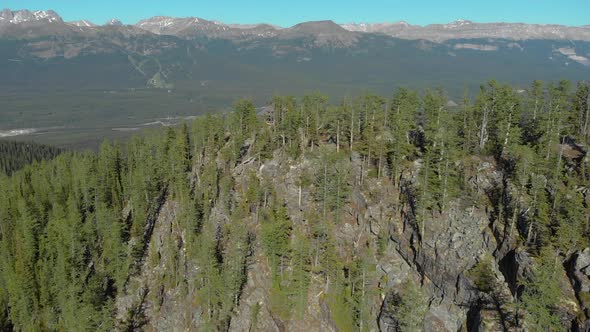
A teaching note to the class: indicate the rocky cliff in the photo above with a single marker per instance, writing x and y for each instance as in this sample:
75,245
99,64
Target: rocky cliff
445,255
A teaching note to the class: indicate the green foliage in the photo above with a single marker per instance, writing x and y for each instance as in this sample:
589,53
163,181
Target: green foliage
255,311
341,306
542,295
439,177
300,277
75,230
279,303
412,307
275,234
579,116
234,266
402,115
482,274
209,281
16,155
245,117
332,180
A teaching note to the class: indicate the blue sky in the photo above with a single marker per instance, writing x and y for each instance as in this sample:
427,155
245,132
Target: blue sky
287,13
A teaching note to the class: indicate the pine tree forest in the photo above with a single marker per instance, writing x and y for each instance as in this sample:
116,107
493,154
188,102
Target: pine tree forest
346,215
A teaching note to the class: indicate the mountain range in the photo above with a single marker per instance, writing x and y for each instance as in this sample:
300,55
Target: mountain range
191,26
167,51
205,64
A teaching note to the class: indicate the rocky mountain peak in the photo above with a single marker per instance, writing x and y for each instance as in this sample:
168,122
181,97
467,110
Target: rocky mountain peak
25,16
182,26
459,23
114,22
318,27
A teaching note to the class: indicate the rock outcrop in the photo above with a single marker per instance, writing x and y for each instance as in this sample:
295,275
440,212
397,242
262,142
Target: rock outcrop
468,267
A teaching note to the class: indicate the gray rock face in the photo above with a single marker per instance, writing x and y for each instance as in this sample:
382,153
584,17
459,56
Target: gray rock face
579,273
583,261
581,269
386,320
452,246
442,319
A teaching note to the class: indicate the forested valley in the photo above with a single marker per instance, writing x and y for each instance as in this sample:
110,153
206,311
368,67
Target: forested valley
390,213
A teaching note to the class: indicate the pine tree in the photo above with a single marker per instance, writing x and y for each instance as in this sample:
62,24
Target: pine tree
276,231
300,277
542,294
439,178
332,180
579,116
412,307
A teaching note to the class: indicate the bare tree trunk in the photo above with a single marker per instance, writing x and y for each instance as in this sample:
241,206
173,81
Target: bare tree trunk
380,160
507,136
529,233
265,198
362,301
483,129
513,221
325,188
558,166
444,198
351,127
585,127
530,230
551,128
338,137
362,172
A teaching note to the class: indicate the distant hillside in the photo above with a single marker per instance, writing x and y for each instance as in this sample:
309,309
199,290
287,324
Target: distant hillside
38,50
82,76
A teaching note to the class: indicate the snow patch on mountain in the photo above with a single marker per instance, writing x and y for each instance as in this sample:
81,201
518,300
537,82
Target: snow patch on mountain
457,24
83,23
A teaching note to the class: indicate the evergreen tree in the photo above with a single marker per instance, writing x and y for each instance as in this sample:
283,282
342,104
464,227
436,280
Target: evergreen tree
300,278
411,307
542,295
404,109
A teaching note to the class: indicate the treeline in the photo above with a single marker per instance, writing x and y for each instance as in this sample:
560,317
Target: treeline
15,155
75,230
